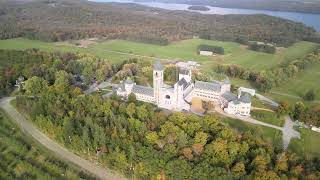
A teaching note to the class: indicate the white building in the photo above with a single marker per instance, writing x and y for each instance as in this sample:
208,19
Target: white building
206,53
179,96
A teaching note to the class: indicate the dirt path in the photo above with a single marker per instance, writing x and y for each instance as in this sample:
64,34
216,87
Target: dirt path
137,55
28,128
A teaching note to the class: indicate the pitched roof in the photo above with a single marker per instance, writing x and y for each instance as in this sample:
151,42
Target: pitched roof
183,83
210,86
148,91
121,87
158,66
227,80
184,71
246,98
229,96
128,81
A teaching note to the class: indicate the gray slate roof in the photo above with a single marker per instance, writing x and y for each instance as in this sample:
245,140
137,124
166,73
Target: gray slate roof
121,86
210,86
158,66
142,90
227,81
183,83
229,96
128,81
184,71
246,98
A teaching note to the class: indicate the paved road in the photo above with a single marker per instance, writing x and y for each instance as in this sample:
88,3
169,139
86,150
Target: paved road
267,100
95,87
247,119
28,128
287,130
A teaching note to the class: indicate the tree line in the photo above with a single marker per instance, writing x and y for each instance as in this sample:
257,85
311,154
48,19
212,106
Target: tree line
214,49
266,80
262,47
309,115
68,20
78,70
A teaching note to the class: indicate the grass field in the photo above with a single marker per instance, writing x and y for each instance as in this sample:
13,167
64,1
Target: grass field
308,145
267,117
116,50
298,86
21,158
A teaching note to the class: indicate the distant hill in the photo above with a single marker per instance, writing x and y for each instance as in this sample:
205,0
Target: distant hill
305,6
60,20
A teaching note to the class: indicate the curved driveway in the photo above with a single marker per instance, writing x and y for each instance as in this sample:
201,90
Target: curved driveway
288,131
28,128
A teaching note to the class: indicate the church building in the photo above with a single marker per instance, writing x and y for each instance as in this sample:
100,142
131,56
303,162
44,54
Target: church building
179,96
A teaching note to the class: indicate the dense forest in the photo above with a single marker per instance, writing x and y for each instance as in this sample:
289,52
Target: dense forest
310,6
62,20
142,142
135,138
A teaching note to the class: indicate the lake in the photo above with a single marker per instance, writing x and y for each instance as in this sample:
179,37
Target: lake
312,20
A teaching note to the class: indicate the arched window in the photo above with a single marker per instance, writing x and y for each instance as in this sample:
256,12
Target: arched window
156,74
167,97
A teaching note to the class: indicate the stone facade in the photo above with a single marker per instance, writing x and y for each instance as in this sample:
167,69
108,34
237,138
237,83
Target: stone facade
179,96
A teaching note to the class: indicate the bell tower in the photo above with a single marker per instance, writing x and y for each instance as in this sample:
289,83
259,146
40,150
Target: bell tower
157,81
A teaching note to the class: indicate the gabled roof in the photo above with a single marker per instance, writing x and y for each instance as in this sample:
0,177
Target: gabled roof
148,91
227,81
210,86
246,98
229,96
183,83
121,87
128,81
158,66
184,71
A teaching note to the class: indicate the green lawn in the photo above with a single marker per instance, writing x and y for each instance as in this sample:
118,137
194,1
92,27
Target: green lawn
182,50
308,145
22,158
298,86
267,117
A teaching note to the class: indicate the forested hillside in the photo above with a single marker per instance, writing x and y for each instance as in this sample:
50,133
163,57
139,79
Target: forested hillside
65,19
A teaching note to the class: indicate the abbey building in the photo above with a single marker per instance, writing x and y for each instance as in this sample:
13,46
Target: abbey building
179,96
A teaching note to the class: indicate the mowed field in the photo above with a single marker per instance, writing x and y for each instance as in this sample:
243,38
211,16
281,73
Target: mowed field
294,89
117,50
308,145
21,158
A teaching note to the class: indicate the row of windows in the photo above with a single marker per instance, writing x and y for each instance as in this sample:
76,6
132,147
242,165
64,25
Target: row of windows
206,96
207,93
144,98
